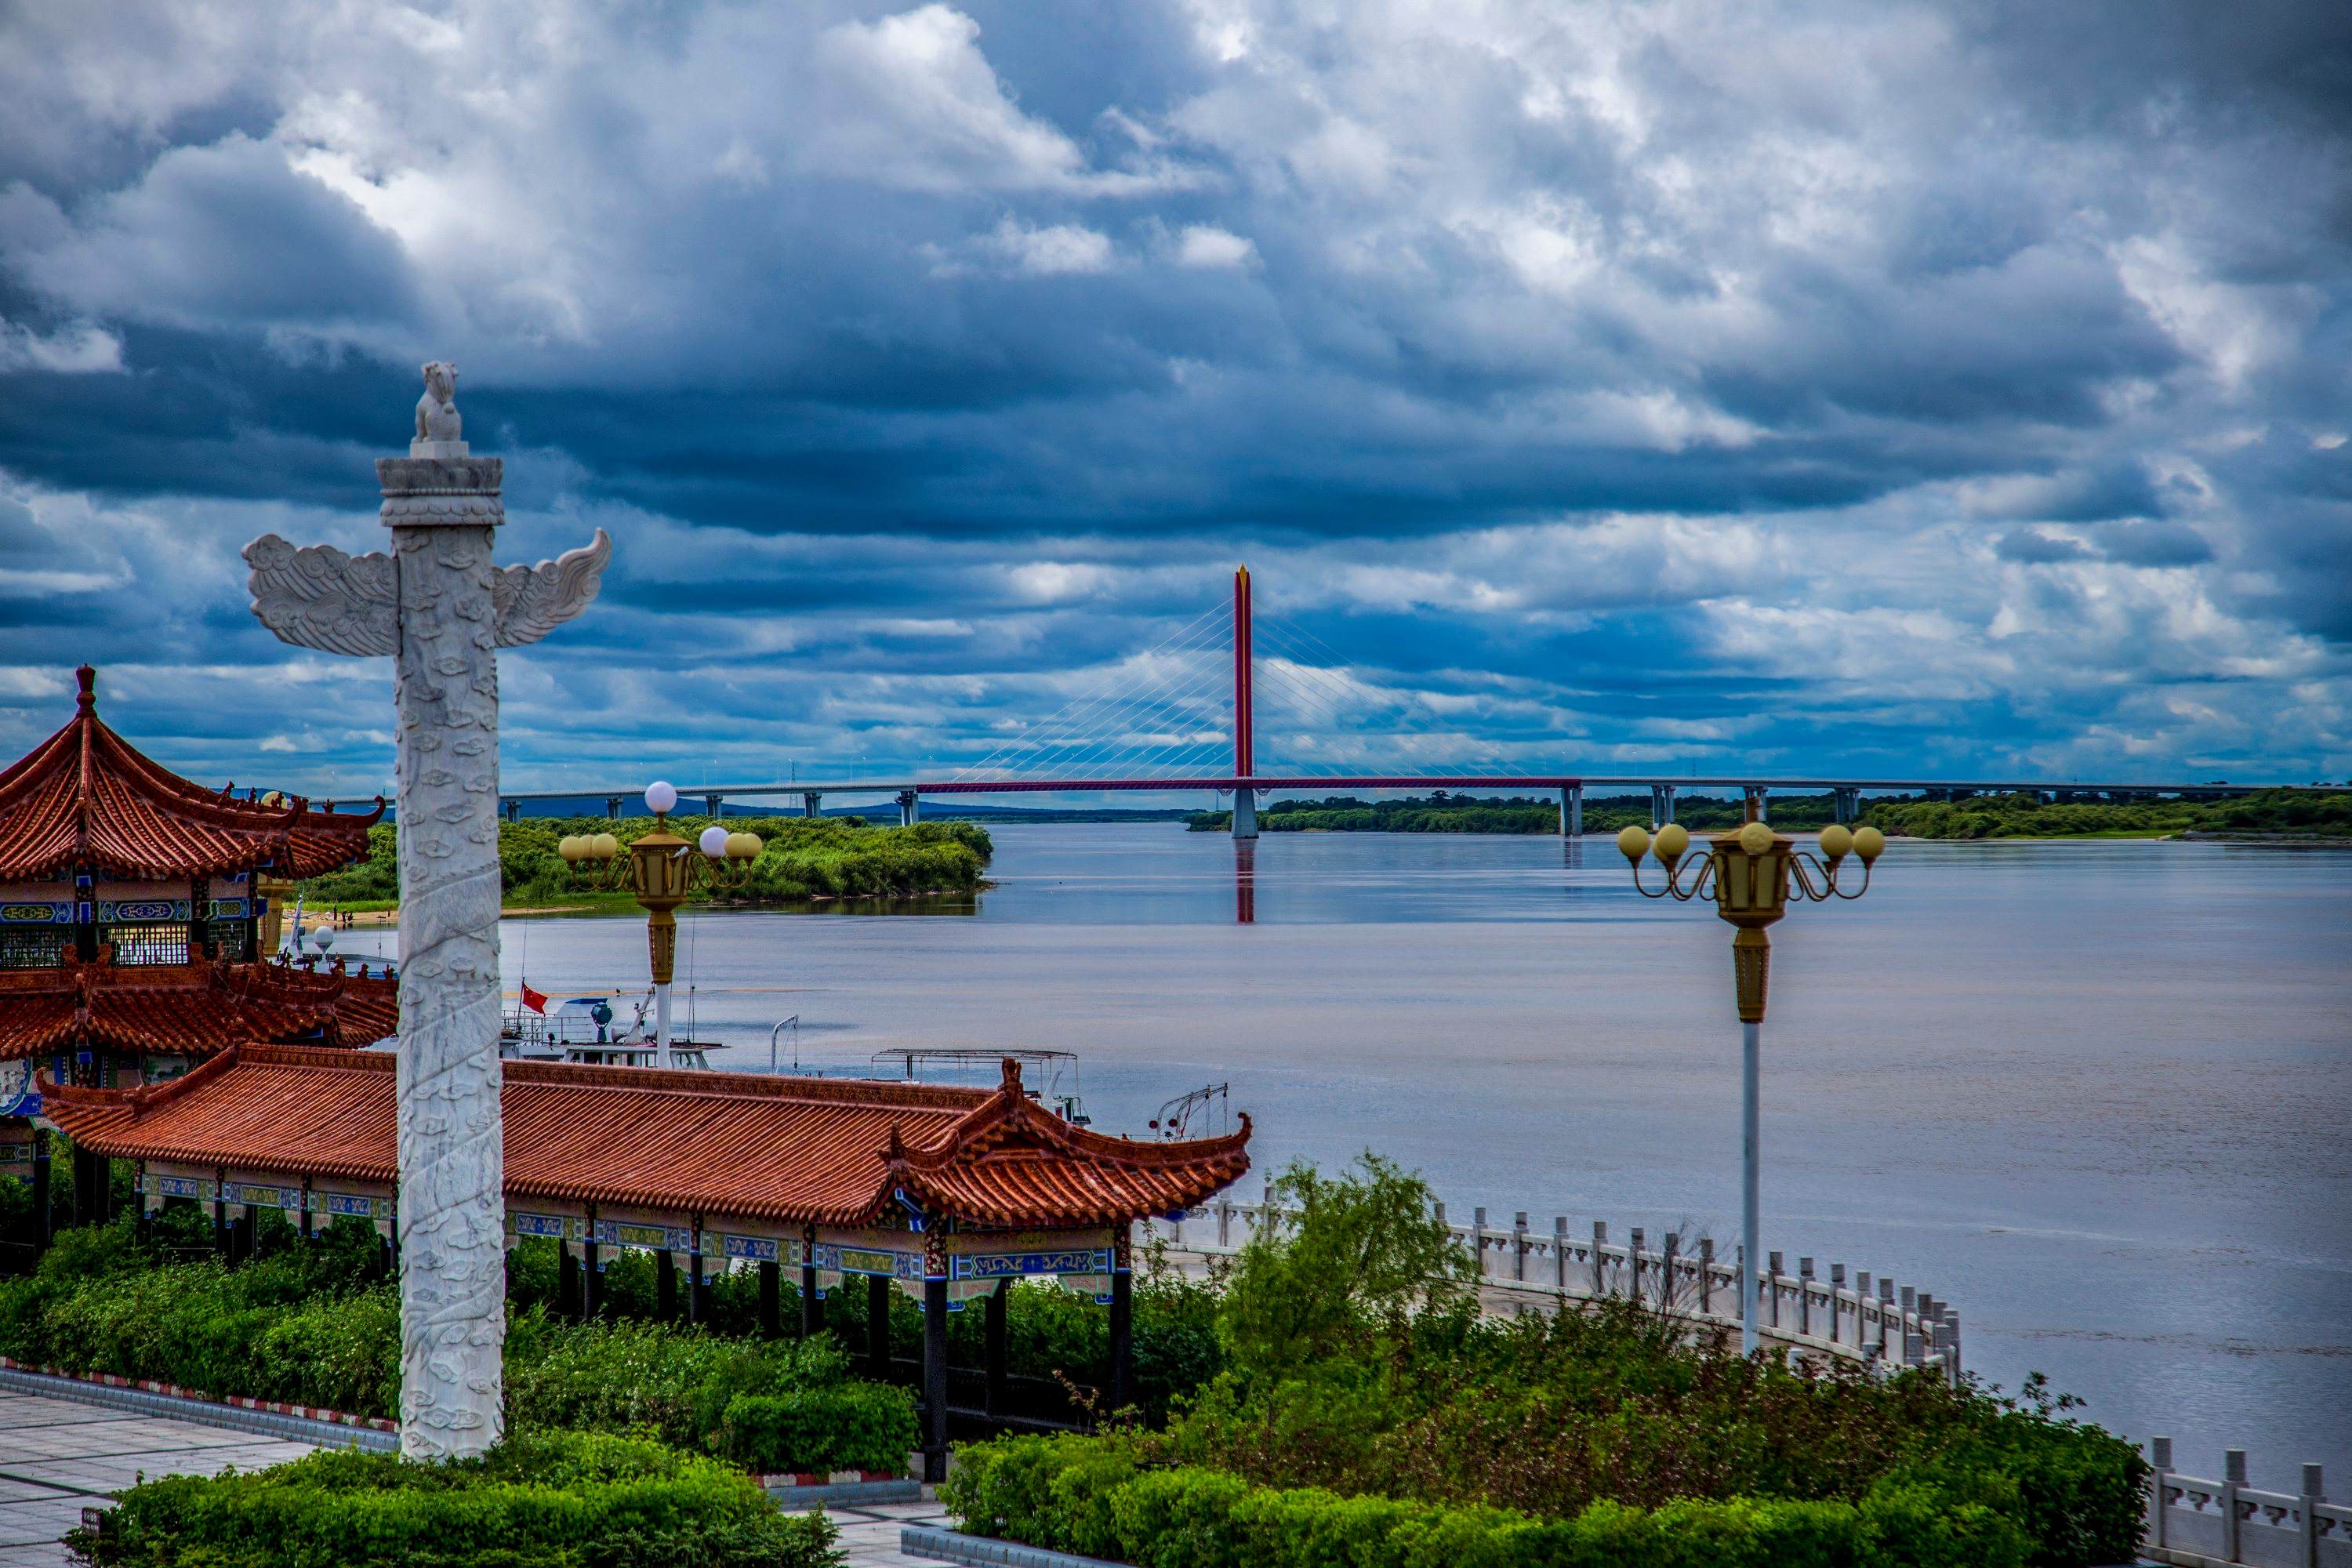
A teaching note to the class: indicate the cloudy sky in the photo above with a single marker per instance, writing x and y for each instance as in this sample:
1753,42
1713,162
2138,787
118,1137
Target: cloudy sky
1901,388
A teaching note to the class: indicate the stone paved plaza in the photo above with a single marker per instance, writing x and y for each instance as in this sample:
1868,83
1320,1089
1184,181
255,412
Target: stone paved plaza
58,1456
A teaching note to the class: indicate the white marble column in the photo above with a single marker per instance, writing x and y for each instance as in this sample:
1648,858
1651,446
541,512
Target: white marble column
442,511
438,605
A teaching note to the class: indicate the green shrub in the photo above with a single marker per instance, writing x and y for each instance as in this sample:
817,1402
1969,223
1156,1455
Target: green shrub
846,1426
1367,1416
650,1377
547,1500
1088,1495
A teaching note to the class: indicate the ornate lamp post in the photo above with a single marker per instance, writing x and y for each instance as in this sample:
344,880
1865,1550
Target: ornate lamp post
662,874
1750,872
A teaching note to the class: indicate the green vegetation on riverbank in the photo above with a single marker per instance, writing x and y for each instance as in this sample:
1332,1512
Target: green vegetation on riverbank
802,858
1368,1416
2296,814
2285,813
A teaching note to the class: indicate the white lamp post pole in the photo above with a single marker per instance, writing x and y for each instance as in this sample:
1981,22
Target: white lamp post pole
1751,873
1751,1160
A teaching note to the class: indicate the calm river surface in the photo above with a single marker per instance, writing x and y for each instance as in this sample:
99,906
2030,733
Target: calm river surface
2097,1095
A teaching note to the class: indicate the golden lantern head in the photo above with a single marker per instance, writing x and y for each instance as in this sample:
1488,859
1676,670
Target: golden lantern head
603,847
1672,842
1751,876
743,847
659,870
1634,842
1869,843
573,848
1837,842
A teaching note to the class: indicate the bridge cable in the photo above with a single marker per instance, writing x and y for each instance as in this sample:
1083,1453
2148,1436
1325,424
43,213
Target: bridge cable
1070,712
1169,712
1140,706
1065,729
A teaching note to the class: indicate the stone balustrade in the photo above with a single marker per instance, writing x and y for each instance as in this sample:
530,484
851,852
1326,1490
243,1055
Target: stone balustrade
2199,1523
1848,1317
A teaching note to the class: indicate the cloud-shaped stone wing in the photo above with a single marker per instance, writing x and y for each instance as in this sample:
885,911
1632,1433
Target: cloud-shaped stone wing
532,601
319,597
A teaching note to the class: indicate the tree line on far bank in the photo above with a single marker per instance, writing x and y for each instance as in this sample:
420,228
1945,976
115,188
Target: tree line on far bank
2270,813
799,858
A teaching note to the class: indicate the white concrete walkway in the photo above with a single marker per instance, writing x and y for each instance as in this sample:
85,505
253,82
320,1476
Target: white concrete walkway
58,1456
870,1535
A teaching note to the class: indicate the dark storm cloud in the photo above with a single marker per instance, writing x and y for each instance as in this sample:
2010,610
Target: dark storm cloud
1855,362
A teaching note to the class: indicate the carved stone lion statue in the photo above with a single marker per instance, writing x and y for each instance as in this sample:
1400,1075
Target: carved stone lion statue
436,411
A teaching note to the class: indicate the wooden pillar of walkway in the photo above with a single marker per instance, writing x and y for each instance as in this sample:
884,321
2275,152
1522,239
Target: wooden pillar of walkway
567,1284
878,1327
993,1357
592,1285
39,1232
811,1309
771,1300
665,1287
93,1180
935,1379
1122,1333
698,1289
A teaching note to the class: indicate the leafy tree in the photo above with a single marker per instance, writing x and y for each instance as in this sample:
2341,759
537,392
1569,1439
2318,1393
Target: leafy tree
1366,1246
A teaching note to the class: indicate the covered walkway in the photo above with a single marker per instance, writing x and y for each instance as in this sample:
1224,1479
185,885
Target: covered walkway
948,1195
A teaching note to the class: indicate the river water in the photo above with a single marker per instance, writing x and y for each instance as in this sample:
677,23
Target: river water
2094,1094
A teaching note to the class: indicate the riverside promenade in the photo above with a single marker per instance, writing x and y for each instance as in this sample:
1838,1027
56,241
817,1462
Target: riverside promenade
58,1456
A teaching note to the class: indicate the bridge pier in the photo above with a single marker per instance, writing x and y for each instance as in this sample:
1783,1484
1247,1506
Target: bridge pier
511,810
1849,803
1754,795
711,805
911,808
812,805
1246,814
1571,811
613,806
1662,805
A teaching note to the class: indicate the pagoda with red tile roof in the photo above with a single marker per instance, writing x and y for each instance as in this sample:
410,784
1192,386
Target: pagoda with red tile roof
134,913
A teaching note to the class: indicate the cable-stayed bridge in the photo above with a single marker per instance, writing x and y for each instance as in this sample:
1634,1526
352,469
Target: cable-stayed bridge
1187,715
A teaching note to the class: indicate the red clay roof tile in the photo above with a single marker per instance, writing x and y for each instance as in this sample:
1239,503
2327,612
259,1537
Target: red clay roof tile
191,1009
806,1151
85,797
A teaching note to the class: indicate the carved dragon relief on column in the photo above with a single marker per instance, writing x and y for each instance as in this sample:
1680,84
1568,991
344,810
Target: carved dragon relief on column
441,608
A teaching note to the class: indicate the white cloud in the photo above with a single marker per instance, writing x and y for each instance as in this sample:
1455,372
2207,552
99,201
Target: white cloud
1206,245
79,348
1061,248
910,101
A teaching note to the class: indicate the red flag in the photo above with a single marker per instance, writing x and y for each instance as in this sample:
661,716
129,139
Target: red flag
534,1000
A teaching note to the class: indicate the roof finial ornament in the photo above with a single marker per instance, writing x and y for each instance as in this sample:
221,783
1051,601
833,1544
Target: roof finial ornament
1013,1075
439,428
87,676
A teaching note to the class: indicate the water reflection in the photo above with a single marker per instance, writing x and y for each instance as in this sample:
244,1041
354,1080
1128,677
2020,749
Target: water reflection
1245,882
